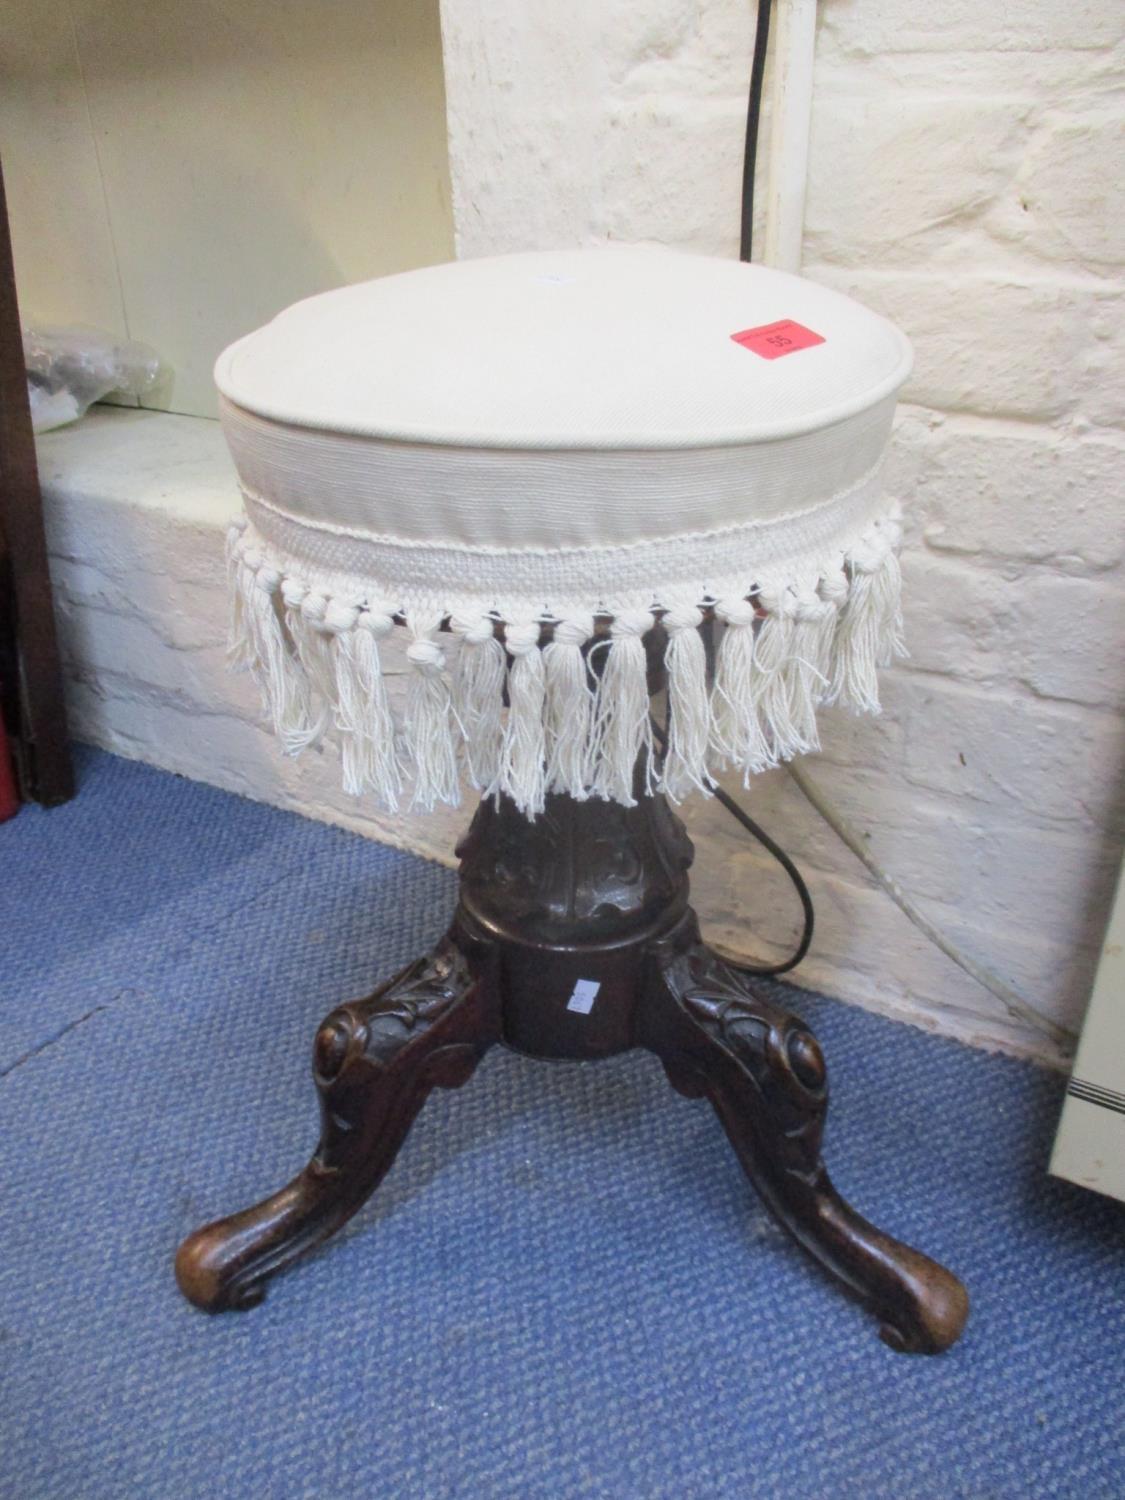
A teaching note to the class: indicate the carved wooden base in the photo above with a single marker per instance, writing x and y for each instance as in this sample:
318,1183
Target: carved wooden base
589,901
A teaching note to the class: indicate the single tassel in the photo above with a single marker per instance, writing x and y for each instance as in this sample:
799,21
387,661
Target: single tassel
832,589
278,673
622,728
808,669
478,697
523,758
689,711
363,713
769,673
736,733
868,630
429,719
569,707
305,610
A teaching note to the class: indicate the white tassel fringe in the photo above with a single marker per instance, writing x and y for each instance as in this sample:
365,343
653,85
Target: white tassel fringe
786,648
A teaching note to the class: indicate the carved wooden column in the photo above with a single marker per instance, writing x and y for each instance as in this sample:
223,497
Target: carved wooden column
569,905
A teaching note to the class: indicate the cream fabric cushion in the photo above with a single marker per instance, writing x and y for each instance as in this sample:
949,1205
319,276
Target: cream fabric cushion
554,436
577,399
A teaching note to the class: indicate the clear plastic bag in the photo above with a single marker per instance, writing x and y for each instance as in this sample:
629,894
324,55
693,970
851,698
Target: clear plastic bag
68,369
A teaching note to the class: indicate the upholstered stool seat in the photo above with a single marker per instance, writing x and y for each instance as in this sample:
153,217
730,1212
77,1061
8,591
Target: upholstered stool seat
516,448
571,482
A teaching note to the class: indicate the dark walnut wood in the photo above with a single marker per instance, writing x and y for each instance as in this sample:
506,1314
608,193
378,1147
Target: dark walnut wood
573,938
764,1074
374,1063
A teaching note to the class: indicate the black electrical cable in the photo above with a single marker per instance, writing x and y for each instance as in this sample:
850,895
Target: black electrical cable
736,812
726,801
753,111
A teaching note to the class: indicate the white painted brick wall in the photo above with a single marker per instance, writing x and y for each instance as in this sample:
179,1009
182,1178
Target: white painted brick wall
962,162
963,167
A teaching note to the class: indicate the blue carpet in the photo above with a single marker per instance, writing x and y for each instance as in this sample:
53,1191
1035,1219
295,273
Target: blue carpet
564,1287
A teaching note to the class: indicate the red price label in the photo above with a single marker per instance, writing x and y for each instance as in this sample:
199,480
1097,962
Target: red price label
773,340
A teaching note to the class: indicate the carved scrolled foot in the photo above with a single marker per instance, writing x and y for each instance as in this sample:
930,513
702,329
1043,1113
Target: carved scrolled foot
374,1063
764,1073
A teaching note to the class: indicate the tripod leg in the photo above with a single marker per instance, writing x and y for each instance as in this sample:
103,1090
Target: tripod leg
764,1073
374,1063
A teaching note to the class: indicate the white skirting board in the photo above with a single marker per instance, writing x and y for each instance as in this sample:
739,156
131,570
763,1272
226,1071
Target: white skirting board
1090,1145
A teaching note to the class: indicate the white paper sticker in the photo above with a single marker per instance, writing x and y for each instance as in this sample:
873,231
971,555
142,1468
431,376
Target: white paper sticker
585,993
